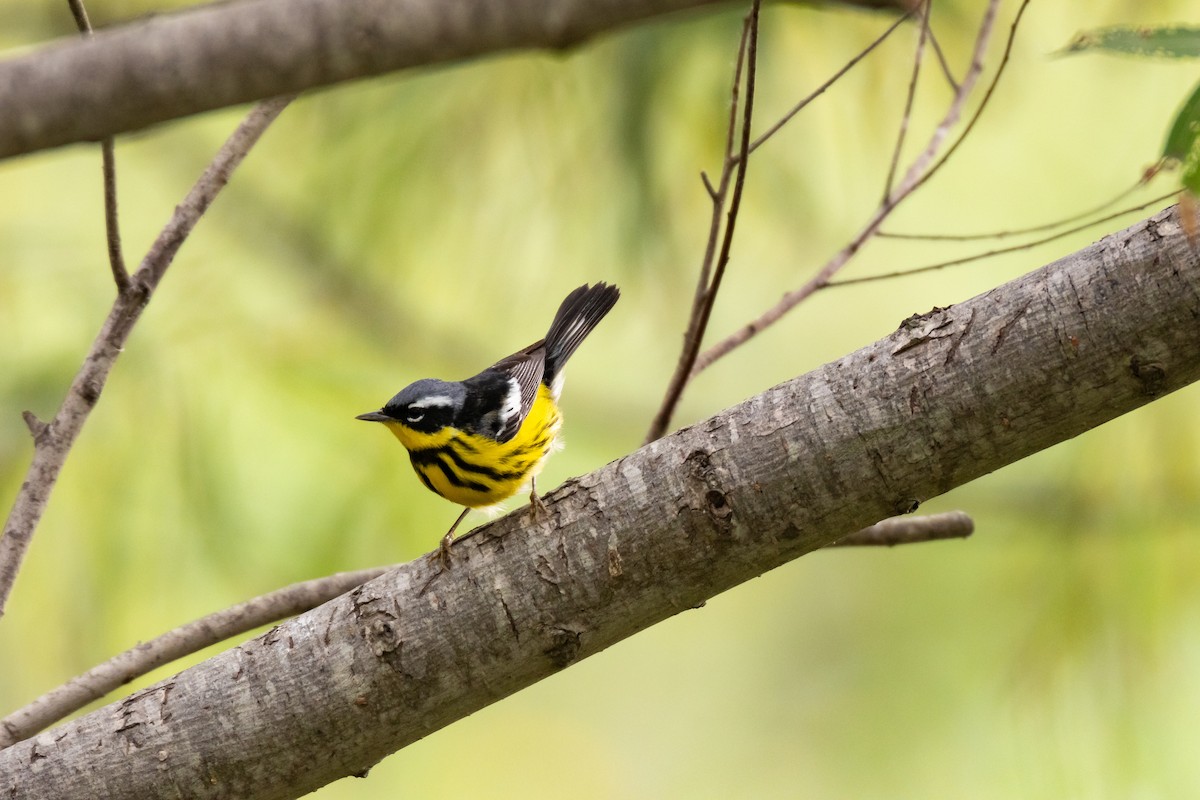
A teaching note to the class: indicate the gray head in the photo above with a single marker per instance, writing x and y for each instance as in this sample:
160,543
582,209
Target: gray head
427,405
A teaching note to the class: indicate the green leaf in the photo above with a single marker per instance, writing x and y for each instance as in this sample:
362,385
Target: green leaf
1190,175
1176,41
1191,179
1181,141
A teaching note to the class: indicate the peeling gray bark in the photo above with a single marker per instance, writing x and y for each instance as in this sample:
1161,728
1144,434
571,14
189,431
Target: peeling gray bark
950,396
169,66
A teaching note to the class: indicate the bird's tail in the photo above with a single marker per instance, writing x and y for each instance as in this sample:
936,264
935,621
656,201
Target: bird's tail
579,313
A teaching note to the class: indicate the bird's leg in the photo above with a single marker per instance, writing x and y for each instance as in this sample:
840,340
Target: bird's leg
448,539
536,507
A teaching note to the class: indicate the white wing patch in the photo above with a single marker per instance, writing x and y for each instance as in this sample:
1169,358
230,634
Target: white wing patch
511,409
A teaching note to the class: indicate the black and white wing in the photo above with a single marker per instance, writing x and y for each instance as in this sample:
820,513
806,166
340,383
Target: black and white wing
499,399
524,373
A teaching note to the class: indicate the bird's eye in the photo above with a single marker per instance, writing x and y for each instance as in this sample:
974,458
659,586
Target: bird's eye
415,416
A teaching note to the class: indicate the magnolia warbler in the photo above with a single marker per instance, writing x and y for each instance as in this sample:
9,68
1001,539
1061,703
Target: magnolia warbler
480,441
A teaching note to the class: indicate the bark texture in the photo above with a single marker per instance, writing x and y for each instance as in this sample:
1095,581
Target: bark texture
952,395
170,66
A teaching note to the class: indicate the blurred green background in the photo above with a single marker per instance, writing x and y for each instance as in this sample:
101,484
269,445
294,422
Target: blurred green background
428,223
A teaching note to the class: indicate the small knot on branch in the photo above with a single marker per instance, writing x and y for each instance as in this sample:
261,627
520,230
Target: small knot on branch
36,427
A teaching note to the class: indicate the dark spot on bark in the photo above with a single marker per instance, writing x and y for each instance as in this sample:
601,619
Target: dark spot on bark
89,393
790,533
381,636
718,505
906,505
564,647
697,461
1150,373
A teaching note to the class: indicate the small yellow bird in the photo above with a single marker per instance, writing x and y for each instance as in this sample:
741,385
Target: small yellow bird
480,441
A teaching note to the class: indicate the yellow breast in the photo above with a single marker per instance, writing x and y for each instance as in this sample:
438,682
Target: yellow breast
477,471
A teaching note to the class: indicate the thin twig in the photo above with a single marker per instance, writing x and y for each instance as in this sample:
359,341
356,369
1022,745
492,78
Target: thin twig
1001,250
917,173
36,426
727,171
925,8
51,448
941,56
706,290
1005,234
910,530
81,16
820,90
739,183
987,95
734,168
112,231
173,645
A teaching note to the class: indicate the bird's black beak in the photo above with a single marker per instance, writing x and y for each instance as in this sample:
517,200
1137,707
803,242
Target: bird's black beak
373,416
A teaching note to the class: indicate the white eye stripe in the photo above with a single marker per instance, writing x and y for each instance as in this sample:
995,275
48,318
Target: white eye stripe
437,401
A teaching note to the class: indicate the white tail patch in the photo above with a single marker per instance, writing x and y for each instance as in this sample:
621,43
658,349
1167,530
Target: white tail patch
557,386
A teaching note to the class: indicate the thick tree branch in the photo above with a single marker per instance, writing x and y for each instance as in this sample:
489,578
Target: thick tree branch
952,395
182,641
185,640
174,65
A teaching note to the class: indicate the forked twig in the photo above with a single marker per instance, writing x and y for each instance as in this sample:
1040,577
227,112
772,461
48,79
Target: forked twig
834,78
183,641
54,439
705,292
941,56
976,67
712,267
920,169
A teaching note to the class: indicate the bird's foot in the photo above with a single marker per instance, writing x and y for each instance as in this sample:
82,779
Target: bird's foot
537,507
443,553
